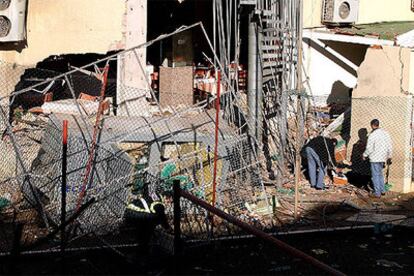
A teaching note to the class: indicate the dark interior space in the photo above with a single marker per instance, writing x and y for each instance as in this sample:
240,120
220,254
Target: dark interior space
61,63
165,16
56,65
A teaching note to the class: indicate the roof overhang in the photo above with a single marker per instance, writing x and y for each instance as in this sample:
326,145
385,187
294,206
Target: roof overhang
406,40
355,39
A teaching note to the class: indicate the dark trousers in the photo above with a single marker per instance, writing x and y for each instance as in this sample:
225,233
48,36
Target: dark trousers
316,169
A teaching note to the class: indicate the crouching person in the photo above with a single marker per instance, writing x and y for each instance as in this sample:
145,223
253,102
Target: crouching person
320,153
145,213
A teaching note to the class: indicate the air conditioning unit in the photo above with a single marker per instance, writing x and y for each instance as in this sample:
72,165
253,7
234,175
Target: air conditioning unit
248,2
12,20
340,11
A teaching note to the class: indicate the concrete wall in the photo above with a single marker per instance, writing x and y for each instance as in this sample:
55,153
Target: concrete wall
384,92
57,27
312,13
68,26
385,72
133,84
370,11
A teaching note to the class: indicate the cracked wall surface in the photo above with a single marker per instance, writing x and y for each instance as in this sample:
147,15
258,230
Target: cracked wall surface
59,27
133,84
384,72
56,27
384,92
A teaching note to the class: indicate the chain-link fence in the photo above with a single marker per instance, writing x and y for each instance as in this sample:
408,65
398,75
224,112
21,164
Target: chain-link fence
130,136
139,134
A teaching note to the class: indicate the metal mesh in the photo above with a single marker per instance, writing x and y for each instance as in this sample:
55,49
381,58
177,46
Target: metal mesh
144,134
149,135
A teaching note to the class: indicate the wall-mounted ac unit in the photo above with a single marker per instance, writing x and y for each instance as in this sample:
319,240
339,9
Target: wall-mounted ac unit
340,11
12,20
248,2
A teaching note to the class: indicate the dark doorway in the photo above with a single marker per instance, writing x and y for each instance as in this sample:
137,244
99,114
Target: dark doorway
165,16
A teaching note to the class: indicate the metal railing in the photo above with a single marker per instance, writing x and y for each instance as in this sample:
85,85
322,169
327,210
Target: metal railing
178,244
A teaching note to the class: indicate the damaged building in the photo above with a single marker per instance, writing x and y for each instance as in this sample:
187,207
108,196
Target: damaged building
101,66
220,96
74,37
363,70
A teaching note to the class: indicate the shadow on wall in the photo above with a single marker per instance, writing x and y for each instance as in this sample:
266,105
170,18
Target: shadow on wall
339,101
14,46
360,175
332,57
340,94
52,67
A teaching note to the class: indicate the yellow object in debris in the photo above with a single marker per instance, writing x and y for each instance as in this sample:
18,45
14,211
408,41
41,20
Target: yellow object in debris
195,157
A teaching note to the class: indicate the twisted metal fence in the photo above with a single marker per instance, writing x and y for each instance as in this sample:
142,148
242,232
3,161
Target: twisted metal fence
128,137
122,138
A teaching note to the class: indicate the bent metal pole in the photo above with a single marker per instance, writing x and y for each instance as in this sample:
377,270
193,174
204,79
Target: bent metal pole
260,234
63,187
216,137
96,130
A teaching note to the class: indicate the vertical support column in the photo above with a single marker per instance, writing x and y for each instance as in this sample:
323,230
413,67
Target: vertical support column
177,225
216,137
252,75
131,80
259,87
284,97
215,30
63,191
299,89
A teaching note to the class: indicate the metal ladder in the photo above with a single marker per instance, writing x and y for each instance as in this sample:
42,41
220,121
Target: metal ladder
278,55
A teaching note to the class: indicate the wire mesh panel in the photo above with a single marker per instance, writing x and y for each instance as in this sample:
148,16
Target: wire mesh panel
125,138
134,135
110,164
239,186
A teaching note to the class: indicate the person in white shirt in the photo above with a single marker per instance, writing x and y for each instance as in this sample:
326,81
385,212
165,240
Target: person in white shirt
379,152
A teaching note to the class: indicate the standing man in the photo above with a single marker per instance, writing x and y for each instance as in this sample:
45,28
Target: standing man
320,152
379,152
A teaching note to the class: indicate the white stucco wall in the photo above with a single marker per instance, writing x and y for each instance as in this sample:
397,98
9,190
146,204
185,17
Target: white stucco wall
132,82
323,72
383,92
68,27
57,27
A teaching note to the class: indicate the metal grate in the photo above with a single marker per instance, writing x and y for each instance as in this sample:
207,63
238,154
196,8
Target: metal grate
5,26
328,10
4,4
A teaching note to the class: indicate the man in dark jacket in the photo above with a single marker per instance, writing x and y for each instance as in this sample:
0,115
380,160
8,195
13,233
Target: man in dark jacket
320,153
145,213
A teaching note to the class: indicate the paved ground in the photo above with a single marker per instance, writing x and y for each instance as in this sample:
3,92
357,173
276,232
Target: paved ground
352,252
